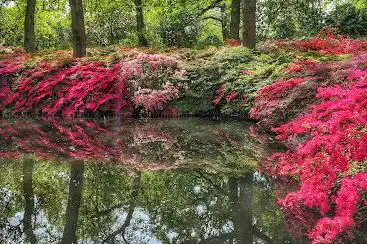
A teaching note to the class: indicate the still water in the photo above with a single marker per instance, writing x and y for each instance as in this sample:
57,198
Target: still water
146,181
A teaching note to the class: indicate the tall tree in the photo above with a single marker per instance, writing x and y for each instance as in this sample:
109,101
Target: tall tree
29,35
235,19
78,28
140,25
249,23
224,22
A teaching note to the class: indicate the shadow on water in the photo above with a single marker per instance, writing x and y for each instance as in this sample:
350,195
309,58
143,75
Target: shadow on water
154,181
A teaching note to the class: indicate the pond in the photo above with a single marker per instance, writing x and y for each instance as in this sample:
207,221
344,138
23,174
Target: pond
139,181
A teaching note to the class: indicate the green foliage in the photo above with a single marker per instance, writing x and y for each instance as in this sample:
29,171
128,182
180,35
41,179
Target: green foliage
208,70
289,19
188,23
349,19
179,29
209,41
52,25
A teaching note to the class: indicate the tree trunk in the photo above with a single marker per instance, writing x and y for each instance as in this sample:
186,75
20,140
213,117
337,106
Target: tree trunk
140,26
29,35
77,27
235,19
224,22
249,23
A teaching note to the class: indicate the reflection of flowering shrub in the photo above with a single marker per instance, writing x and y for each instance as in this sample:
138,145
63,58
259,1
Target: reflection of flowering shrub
81,140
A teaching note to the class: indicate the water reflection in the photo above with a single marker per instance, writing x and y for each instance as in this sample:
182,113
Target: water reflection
29,200
159,181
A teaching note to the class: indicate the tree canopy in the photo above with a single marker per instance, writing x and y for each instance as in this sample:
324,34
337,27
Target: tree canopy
178,23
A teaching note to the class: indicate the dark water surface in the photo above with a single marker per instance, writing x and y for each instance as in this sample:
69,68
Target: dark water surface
149,181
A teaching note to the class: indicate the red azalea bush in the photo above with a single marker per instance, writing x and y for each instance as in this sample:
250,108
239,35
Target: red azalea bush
9,68
321,111
69,90
289,96
222,95
73,87
326,42
232,42
325,141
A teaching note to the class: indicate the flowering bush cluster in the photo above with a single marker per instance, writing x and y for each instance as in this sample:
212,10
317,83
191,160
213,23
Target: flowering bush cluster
346,201
155,100
9,68
286,98
325,140
69,90
232,42
326,42
227,96
336,131
71,87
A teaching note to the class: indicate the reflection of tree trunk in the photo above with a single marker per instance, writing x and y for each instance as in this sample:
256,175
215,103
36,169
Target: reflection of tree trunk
222,238
240,196
74,200
133,200
241,191
29,200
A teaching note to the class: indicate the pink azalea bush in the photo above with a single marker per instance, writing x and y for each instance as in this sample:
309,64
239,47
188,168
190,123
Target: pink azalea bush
320,111
336,136
155,100
286,98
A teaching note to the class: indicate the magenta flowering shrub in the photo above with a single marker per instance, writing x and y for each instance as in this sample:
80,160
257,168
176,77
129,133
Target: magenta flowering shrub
325,141
346,203
326,42
69,90
9,68
71,87
289,96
